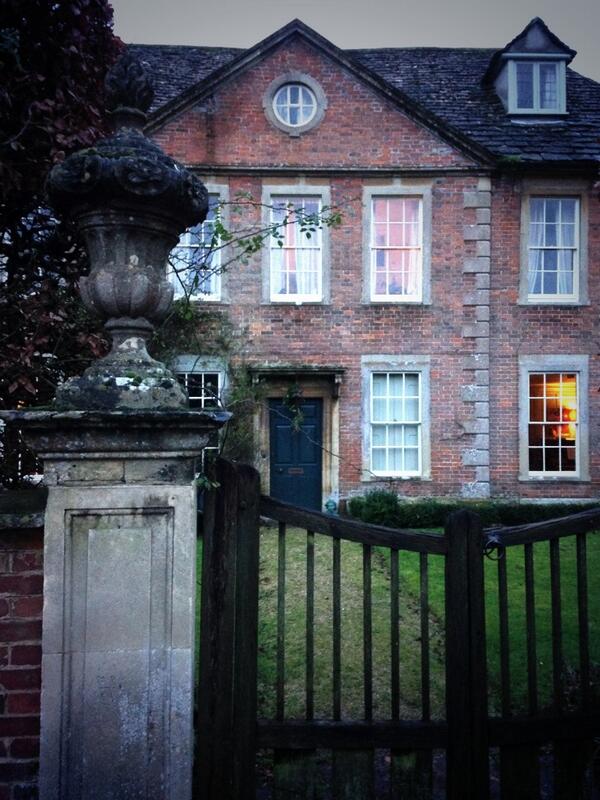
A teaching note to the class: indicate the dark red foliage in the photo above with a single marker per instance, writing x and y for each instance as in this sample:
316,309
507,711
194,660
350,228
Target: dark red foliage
53,59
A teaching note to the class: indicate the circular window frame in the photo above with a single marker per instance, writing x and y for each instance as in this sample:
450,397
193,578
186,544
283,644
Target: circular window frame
303,79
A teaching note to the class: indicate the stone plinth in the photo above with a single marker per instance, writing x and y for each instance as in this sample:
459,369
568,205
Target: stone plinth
119,601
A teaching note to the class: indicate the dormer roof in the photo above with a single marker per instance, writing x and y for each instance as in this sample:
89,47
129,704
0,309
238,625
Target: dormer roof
536,37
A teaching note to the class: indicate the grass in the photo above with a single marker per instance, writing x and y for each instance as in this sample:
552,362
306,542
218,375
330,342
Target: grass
410,664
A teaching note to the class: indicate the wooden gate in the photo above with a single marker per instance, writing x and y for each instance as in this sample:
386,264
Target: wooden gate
445,744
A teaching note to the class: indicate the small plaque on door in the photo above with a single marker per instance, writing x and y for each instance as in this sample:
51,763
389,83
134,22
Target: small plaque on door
295,470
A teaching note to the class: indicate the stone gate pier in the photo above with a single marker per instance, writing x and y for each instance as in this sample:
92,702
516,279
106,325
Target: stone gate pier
119,451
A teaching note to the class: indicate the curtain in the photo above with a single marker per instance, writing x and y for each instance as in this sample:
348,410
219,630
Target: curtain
536,244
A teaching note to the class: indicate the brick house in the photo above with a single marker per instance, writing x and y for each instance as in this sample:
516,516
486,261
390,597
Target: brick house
444,336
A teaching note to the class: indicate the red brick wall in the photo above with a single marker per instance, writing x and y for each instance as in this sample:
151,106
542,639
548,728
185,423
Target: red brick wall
21,582
532,330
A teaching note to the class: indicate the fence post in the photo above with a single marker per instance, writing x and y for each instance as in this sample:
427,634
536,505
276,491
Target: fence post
226,720
466,672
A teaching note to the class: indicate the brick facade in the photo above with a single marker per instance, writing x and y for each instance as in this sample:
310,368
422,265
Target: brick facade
21,580
473,329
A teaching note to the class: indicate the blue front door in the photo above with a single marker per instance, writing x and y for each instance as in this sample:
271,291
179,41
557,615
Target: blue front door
296,452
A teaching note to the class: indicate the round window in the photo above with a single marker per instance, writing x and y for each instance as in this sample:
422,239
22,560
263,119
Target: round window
294,104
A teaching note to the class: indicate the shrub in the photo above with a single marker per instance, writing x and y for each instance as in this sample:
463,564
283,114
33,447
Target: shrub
382,507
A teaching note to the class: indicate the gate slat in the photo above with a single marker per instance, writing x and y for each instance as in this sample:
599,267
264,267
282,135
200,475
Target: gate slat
571,761
583,621
280,689
367,634
424,608
353,775
294,775
519,773
337,630
411,775
395,634
310,625
532,688
504,640
557,665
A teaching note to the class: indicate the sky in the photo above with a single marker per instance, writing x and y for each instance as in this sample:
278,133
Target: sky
363,23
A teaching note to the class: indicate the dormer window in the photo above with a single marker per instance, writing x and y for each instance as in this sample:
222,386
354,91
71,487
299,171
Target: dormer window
530,74
536,86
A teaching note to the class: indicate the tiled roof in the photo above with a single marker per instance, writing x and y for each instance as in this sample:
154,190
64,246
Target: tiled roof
445,81
175,68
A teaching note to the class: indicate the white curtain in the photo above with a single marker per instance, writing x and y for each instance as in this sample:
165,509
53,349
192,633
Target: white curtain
536,244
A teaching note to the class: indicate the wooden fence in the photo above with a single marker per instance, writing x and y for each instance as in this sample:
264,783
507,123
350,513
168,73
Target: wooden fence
546,752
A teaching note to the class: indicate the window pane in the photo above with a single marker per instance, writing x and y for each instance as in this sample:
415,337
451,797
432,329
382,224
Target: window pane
395,385
568,210
524,71
396,409
378,435
380,410
379,457
536,385
548,85
395,459
411,459
536,460
411,410
379,385
411,435
395,435
536,435
551,459
568,459
412,385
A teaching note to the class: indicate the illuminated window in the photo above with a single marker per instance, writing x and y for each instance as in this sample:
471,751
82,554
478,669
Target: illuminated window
396,248
396,423
536,87
196,261
296,250
553,248
553,427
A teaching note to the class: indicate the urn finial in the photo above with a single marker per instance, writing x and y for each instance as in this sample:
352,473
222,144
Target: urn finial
131,202
129,91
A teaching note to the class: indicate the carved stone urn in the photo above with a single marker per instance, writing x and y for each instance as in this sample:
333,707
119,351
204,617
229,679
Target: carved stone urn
131,202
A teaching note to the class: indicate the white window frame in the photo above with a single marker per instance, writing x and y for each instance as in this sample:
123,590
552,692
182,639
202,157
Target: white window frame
272,194
536,59
399,188
191,364
219,193
552,189
290,104
389,297
550,298
555,364
411,364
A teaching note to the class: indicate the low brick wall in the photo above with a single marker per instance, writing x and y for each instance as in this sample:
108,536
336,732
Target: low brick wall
21,582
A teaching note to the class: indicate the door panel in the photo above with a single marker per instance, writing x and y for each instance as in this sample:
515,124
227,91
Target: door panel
296,455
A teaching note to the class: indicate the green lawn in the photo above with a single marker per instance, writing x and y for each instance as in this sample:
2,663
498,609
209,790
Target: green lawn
352,652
